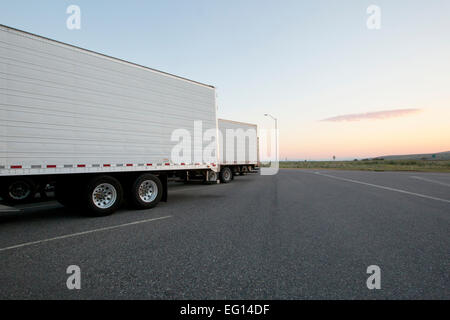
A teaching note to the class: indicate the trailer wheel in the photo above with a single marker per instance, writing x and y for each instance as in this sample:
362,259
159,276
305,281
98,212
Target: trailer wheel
19,190
146,191
226,175
103,196
210,177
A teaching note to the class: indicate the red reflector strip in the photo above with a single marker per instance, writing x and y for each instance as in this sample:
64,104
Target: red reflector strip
81,166
167,164
183,164
16,167
129,165
106,165
149,164
51,166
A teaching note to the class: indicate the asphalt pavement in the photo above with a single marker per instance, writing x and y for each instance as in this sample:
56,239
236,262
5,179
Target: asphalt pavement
301,234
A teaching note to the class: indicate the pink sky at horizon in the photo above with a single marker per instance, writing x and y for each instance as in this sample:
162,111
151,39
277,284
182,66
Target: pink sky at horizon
424,131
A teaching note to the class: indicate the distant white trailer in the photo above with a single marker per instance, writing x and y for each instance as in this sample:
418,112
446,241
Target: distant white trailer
238,148
97,126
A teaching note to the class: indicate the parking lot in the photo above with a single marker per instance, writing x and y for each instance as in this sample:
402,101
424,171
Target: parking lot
297,235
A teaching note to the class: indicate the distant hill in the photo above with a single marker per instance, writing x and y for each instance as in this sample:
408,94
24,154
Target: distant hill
429,156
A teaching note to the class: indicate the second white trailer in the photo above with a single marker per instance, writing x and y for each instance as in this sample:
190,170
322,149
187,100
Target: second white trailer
238,148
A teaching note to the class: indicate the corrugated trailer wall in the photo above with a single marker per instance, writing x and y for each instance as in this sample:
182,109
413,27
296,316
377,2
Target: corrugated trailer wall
62,106
238,142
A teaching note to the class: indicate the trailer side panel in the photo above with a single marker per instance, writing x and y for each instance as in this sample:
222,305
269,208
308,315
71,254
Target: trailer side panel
68,110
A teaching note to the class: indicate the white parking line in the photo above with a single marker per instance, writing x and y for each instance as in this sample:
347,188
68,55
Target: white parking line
82,233
384,187
432,181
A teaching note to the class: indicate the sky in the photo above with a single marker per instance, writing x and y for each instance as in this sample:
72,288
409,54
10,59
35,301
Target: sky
336,87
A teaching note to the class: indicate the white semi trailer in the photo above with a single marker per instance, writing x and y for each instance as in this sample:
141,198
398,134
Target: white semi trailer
98,127
238,148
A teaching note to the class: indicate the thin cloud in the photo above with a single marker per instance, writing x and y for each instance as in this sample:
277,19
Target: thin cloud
380,115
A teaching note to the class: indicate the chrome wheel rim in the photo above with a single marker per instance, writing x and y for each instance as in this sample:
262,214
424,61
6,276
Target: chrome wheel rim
104,196
148,191
212,176
227,175
19,190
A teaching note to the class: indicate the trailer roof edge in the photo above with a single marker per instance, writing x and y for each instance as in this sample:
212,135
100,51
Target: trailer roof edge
239,122
107,56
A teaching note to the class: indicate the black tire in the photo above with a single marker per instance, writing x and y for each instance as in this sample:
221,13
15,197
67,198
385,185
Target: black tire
17,191
107,198
150,199
226,175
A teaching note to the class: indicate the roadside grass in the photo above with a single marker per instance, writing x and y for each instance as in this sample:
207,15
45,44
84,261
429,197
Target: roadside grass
372,165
